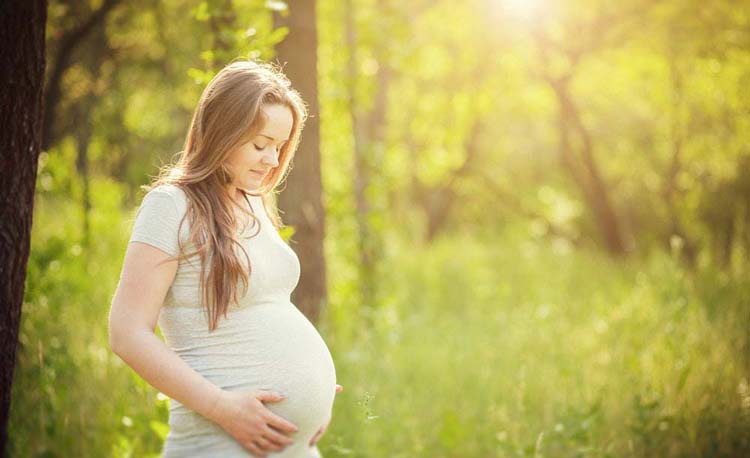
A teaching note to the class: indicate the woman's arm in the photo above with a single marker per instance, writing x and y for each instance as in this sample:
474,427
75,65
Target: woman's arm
144,283
132,321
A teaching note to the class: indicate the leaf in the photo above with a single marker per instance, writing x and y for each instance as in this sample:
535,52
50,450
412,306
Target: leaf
201,12
161,429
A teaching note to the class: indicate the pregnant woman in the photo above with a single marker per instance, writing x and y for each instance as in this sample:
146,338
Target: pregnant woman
247,373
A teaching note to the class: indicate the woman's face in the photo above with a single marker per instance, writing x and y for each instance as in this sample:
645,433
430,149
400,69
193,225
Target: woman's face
251,162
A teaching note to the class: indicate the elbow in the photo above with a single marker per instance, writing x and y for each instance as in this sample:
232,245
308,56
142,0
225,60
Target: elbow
122,338
115,342
118,339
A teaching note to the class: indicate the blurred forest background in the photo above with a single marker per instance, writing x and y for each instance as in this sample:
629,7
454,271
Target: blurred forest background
537,221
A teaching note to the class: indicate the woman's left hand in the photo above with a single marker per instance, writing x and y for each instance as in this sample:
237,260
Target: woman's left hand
322,430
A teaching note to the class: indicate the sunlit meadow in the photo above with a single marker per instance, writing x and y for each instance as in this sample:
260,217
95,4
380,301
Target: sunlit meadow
483,345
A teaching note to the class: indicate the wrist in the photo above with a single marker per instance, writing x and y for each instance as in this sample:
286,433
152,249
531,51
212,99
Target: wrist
214,405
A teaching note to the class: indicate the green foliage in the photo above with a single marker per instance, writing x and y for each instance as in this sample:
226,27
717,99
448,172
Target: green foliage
499,345
71,395
511,335
510,347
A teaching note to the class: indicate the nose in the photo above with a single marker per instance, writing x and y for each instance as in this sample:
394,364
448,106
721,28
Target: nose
271,160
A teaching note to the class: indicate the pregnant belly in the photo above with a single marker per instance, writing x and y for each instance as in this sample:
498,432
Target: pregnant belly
267,346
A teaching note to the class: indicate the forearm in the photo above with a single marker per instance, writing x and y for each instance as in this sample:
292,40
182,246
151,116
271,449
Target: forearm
158,365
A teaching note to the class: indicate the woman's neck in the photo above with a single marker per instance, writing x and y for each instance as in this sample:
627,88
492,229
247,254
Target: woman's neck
236,194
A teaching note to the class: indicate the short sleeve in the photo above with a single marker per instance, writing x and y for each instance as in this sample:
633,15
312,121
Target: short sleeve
157,222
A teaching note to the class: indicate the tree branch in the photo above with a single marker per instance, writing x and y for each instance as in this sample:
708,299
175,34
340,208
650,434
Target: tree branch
70,40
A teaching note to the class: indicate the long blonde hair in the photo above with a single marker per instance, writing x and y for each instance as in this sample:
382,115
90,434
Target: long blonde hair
227,115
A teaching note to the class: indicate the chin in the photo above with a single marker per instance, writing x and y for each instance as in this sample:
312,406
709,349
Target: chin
252,183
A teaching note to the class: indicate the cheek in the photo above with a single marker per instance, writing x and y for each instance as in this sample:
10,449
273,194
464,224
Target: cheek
236,168
232,166
238,159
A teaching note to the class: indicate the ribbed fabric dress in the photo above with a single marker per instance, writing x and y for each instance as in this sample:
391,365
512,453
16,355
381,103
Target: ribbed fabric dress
265,343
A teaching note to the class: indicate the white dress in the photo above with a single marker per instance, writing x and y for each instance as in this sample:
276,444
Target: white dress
265,343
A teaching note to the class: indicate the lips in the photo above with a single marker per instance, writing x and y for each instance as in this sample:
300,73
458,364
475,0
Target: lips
259,173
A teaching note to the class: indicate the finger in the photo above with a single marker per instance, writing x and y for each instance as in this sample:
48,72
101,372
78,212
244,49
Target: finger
339,388
321,432
314,440
268,396
280,423
266,445
255,449
277,437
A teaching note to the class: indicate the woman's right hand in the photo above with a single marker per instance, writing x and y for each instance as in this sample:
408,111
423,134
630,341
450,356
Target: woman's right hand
243,415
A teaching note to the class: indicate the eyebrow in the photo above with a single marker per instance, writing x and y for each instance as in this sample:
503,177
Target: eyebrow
270,138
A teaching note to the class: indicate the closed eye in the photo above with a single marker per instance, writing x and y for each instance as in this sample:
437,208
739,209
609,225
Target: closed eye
261,148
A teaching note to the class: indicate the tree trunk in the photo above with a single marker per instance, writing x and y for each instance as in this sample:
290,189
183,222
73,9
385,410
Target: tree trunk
361,165
81,112
301,200
22,29
70,40
689,251
588,177
83,138
368,129
438,201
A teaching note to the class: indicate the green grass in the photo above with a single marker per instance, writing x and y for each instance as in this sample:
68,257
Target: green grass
71,395
513,348
504,347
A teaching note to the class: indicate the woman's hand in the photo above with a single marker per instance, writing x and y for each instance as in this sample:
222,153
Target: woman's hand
322,430
243,415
